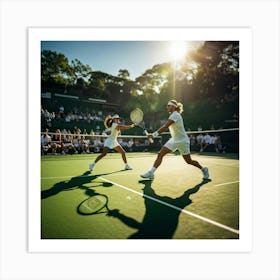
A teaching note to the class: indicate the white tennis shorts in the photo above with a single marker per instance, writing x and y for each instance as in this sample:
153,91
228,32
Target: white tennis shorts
110,143
183,146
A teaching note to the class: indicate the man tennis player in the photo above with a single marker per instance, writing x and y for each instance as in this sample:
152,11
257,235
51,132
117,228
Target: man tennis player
111,142
179,140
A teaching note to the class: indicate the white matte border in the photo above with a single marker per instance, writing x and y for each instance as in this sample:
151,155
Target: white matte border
262,16
243,35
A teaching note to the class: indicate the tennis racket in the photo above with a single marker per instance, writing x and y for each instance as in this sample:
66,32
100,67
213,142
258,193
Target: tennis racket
136,117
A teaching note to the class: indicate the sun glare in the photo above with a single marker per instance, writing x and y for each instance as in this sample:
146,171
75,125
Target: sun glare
178,50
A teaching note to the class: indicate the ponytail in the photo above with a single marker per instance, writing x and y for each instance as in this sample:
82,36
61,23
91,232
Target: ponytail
180,108
108,121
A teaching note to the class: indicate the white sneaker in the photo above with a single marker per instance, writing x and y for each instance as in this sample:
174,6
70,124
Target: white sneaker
91,166
127,167
205,172
148,175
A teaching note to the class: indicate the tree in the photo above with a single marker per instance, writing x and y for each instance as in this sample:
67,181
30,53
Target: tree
123,73
55,70
55,66
80,71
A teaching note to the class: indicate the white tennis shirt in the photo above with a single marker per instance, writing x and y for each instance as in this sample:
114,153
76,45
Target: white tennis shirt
114,131
177,129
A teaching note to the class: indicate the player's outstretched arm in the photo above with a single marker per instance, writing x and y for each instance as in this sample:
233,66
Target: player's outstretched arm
161,129
125,127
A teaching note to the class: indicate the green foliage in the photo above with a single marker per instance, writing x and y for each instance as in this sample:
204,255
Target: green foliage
204,76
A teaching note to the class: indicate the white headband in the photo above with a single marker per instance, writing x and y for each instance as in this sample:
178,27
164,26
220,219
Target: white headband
172,104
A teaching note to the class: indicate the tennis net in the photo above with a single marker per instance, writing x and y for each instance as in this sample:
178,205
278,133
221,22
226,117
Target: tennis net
68,143
63,142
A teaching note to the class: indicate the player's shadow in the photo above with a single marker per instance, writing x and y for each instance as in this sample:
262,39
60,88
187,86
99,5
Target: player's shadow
75,183
161,220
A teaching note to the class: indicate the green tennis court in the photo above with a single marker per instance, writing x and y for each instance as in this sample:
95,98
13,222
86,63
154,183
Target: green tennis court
177,204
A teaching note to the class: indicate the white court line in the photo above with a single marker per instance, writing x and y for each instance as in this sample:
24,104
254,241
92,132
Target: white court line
228,183
174,207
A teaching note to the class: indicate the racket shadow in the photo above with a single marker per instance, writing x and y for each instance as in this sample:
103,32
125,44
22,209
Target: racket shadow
76,182
160,220
99,205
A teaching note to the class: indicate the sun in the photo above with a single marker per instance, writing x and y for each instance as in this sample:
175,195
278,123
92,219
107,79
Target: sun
178,50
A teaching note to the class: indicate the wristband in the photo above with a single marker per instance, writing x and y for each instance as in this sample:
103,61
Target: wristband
155,134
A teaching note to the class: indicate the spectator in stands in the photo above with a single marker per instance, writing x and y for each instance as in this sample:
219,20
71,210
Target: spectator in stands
57,140
77,132
97,129
83,145
213,139
219,146
68,118
199,128
45,142
124,143
47,145
75,142
61,109
205,142
97,145
69,146
192,139
91,133
130,145
199,139
49,122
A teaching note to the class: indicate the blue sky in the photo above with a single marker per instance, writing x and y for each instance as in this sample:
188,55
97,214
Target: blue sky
110,56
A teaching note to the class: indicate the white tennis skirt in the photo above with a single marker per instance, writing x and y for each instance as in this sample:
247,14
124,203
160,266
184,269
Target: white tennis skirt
111,143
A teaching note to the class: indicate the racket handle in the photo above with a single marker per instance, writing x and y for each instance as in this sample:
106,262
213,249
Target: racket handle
150,139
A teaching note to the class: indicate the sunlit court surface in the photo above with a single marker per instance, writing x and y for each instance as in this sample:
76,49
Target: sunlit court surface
177,204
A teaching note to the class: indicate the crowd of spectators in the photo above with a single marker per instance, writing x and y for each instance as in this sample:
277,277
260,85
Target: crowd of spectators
74,115
206,142
81,142
75,141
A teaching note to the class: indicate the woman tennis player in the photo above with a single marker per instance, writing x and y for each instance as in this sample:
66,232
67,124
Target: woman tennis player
179,140
111,142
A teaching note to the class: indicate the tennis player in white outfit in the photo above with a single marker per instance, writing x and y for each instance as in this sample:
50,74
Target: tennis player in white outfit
111,142
179,140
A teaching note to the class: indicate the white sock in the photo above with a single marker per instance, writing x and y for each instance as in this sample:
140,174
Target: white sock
153,169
